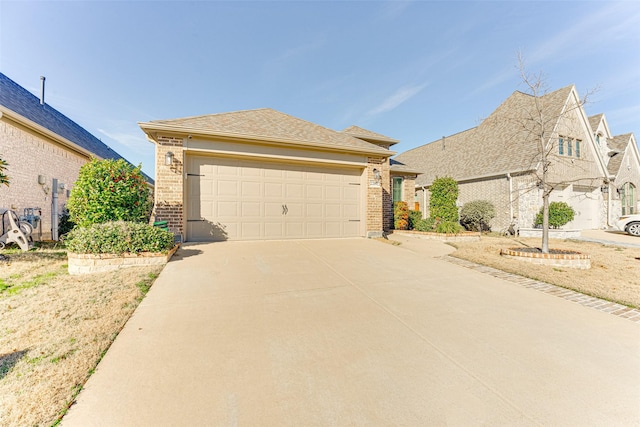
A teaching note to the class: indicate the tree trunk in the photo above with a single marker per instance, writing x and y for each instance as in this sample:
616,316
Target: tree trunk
545,222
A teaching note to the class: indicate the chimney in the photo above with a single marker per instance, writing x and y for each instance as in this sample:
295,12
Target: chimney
42,79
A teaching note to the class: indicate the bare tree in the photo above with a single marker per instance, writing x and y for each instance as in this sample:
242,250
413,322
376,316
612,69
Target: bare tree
540,124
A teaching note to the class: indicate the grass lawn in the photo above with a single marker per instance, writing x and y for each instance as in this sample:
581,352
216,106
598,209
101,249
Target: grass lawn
54,328
614,274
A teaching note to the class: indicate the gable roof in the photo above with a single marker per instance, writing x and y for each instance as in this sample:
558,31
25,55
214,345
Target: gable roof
495,147
265,125
368,135
400,168
594,121
618,145
26,108
19,100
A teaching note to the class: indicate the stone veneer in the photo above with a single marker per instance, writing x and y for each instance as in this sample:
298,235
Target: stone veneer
100,263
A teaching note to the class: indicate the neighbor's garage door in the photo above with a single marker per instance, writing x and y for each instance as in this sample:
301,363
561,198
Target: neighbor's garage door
251,200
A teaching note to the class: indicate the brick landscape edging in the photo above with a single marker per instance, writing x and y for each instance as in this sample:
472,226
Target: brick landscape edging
614,308
97,263
465,236
570,260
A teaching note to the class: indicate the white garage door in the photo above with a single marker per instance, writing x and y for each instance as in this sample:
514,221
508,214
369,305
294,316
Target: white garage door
229,199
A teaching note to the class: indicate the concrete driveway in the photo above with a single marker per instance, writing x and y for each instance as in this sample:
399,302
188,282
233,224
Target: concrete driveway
353,333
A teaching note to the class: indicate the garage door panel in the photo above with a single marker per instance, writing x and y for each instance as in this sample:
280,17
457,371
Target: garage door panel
227,209
249,200
273,189
227,188
251,209
294,191
250,230
251,189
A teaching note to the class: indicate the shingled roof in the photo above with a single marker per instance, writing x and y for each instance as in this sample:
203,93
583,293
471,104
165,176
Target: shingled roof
20,101
594,121
500,144
368,135
617,145
268,125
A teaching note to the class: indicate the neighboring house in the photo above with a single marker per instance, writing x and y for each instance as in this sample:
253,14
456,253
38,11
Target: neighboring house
262,174
499,161
39,143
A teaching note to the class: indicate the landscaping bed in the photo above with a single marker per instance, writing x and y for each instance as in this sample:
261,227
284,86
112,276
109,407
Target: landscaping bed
614,274
54,329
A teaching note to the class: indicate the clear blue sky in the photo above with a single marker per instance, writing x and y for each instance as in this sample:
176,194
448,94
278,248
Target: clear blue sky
414,71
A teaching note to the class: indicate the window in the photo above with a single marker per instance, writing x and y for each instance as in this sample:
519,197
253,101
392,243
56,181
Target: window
578,147
598,139
569,148
627,197
560,146
397,189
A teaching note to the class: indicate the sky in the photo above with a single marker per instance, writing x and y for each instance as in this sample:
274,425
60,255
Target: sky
414,71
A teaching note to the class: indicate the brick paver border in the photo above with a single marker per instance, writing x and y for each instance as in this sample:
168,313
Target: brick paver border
616,309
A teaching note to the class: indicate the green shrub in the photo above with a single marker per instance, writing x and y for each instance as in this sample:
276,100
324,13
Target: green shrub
414,217
426,224
118,237
477,214
65,224
560,213
400,216
4,179
109,190
442,203
449,227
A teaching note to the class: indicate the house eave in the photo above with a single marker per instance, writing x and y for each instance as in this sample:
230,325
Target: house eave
151,129
6,113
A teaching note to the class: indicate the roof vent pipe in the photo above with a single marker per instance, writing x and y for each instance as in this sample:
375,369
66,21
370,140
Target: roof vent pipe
42,79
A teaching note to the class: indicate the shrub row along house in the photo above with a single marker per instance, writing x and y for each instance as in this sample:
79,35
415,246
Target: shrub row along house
41,144
500,161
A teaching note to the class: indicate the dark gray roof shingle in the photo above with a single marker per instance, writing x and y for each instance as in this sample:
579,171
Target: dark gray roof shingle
19,100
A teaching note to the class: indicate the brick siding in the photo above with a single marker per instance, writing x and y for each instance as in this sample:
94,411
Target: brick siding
169,188
30,154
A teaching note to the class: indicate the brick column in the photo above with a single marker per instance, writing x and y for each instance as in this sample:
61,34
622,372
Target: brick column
169,188
387,196
375,198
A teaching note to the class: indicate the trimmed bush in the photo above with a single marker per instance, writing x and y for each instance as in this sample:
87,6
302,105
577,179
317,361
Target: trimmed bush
476,215
427,224
449,227
400,216
4,179
442,203
560,213
65,224
118,237
109,190
414,217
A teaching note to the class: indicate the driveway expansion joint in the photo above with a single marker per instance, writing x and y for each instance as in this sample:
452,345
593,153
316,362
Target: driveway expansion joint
595,303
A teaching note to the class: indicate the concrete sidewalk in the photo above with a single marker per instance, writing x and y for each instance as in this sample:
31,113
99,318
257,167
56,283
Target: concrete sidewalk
357,332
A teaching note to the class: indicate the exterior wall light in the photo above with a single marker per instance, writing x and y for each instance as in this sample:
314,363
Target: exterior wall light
376,175
168,158
41,179
604,188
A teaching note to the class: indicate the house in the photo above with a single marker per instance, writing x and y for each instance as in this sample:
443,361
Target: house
500,161
262,174
41,144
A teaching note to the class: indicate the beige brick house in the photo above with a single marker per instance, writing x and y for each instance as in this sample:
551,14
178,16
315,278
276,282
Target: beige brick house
499,161
40,144
262,174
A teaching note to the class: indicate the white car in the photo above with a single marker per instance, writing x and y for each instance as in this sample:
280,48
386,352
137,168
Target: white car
629,224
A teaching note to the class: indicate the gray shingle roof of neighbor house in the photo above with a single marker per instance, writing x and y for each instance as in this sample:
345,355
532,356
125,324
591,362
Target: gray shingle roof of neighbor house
265,125
368,135
20,101
400,167
500,144
618,145
594,121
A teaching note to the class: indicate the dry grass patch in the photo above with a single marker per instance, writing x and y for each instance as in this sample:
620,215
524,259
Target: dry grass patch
614,273
54,328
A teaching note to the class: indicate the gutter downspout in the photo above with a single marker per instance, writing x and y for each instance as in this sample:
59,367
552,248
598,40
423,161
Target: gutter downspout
424,200
510,178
